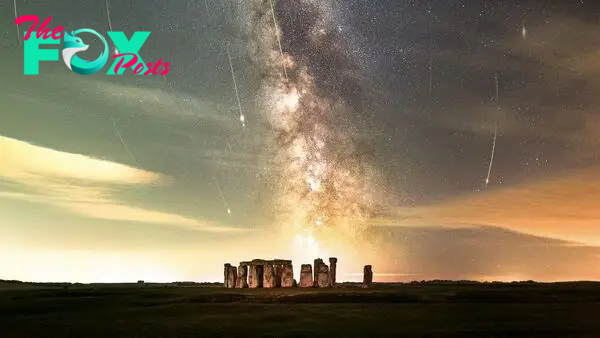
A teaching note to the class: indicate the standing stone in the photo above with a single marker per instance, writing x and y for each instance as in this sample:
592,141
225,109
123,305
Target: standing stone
332,270
317,262
226,272
368,276
287,276
323,276
232,277
278,272
255,276
242,278
306,276
269,276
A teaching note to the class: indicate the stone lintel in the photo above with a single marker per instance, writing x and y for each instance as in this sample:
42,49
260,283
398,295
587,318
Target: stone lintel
264,261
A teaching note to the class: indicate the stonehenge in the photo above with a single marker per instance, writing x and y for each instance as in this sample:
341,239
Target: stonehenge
279,273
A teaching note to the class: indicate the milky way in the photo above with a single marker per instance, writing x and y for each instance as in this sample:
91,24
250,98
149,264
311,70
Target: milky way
322,178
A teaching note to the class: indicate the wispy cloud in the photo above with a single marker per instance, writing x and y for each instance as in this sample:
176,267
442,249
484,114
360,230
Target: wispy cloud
556,207
156,101
83,185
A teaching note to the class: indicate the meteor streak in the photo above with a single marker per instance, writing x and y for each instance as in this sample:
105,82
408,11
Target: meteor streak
16,16
276,26
116,129
487,180
116,51
223,197
237,94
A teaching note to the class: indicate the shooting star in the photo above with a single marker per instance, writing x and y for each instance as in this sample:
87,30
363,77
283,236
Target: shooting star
487,180
114,123
278,39
237,94
116,130
116,50
17,16
223,197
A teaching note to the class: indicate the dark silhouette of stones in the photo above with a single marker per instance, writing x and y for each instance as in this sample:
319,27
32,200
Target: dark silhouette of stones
306,276
368,276
287,276
332,270
242,277
323,276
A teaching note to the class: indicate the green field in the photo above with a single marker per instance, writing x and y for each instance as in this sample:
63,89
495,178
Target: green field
409,310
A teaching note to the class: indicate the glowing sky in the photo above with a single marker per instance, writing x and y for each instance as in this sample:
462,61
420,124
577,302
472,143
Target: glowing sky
374,149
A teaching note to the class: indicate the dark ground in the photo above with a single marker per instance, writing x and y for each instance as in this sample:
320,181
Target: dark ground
409,310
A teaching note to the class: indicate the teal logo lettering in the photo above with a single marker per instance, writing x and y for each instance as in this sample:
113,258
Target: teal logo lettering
128,50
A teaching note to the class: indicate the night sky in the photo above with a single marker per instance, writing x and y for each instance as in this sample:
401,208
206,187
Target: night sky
368,136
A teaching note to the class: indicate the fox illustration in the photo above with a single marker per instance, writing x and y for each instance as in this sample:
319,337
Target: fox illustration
73,45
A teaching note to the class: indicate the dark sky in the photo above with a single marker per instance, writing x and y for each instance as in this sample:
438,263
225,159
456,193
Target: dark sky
375,147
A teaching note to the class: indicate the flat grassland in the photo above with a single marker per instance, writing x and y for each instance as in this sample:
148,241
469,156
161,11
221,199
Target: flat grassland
401,310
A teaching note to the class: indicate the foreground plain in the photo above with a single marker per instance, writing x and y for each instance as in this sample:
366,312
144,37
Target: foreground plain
407,310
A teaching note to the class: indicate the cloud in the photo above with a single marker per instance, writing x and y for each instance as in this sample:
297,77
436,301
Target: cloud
82,184
556,207
156,101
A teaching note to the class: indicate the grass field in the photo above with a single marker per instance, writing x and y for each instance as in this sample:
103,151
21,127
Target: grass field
410,310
